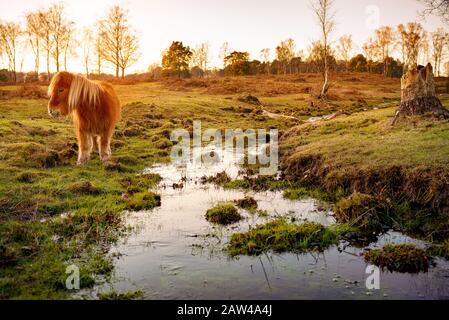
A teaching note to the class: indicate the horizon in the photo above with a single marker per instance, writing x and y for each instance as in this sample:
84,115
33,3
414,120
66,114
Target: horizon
254,26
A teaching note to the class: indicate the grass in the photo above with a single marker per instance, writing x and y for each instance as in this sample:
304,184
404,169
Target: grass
400,258
439,250
223,214
53,213
281,236
247,203
113,295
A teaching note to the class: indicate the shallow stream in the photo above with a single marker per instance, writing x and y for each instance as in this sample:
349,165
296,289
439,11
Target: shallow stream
174,253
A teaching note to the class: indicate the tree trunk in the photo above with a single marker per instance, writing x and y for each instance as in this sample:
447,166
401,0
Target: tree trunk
418,94
48,66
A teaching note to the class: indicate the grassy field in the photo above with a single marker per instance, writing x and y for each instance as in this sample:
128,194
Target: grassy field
53,213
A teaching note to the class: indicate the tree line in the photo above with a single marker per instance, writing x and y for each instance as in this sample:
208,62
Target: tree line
410,42
52,36
111,43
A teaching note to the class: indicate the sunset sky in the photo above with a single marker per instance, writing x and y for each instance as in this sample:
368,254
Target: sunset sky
248,25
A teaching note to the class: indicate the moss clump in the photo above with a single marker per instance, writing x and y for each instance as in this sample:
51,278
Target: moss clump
281,236
220,178
295,194
249,99
440,250
84,188
359,210
113,295
27,177
143,201
400,258
223,214
133,131
140,182
247,203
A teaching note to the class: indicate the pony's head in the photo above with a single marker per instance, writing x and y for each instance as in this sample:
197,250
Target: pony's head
67,91
58,91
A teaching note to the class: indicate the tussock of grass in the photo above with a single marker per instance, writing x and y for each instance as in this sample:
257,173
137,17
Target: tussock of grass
281,236
247,203
400,258
143,201
220,178
439,250
223,214
84,188
113,295
295,194
359,210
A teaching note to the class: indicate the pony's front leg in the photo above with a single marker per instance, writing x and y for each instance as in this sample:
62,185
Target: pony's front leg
105,147
84,147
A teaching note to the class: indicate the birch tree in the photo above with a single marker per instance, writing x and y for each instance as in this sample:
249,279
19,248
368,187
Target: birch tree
326,19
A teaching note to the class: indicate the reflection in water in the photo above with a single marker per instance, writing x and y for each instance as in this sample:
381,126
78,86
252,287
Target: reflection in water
175,253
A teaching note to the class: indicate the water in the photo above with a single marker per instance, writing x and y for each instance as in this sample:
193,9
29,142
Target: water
174,253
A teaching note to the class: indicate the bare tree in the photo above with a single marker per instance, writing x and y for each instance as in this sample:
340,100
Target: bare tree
10,34
45,35
60,32
439,7
265,56
225,50
129,53
34,33
371,50
324,12
440,39
69,43
87,44
200,56
412,37
385,41
344,47
118,46
98,52
285,52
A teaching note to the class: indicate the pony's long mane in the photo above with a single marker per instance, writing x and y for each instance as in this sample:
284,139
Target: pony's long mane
82,91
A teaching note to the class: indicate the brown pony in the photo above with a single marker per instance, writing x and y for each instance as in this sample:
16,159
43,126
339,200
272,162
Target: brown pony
95,109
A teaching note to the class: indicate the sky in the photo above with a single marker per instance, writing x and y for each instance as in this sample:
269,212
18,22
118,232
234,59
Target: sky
247,25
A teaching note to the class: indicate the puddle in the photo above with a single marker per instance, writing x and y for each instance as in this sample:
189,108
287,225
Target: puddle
174,253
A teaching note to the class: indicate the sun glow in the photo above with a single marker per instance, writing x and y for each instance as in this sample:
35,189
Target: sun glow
254,26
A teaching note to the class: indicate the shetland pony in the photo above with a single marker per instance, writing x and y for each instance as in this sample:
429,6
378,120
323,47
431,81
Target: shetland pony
95,109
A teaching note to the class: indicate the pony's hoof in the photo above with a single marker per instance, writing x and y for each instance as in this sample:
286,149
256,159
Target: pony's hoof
105,158
82,162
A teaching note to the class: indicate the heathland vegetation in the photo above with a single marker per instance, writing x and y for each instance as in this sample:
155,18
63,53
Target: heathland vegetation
333,108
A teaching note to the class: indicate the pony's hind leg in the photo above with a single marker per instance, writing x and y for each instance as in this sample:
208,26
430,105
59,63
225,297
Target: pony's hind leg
96,144
84,147
105,147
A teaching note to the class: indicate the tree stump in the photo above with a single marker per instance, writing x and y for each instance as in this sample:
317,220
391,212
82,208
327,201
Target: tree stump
418,94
